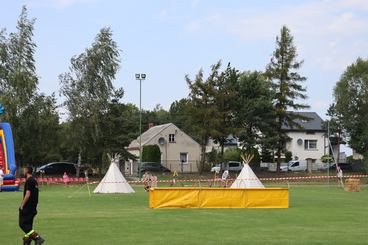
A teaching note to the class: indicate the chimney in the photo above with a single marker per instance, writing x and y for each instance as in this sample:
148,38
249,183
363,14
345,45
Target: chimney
150,125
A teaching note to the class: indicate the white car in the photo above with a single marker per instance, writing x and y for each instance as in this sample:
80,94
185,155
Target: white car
296,165
230,165
216,168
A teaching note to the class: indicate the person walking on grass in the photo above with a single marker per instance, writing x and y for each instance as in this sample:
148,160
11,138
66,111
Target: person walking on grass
340,176
28,209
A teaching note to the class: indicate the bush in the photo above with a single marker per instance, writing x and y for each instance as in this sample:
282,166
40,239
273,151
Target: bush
232,155
288,156
213,157
327,159
151,153
267,156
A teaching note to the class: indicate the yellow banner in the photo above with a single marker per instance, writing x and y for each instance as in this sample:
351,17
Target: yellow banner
218,198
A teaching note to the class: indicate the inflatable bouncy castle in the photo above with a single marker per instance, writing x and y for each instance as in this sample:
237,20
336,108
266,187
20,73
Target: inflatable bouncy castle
7,158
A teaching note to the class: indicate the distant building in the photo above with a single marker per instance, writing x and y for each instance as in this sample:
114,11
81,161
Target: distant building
307,142
231,143
179,152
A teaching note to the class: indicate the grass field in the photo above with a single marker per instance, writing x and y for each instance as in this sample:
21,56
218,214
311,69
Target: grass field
317,215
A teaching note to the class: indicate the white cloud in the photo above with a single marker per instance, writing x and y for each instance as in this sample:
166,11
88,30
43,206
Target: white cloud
354,4
57,3
330,33
195,3
65,3
161,15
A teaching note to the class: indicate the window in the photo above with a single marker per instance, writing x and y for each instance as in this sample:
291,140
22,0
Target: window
296,164
310,144
183,157
234,164
171,138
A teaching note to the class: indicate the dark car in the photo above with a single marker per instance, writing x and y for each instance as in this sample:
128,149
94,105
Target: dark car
57,168
152,167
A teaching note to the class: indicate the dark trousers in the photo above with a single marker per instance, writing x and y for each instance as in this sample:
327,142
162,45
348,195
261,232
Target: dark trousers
26,220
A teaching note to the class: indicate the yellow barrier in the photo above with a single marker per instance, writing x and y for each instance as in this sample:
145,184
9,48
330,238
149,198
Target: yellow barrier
218,198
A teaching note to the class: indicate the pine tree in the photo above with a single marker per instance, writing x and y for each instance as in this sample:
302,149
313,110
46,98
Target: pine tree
288,87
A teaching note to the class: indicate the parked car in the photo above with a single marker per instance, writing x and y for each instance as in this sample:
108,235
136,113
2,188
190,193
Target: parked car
230,165
234,166
216,168
152,167
296,165
57,168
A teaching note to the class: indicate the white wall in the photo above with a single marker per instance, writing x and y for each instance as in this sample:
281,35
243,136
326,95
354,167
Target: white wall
300,151
170,152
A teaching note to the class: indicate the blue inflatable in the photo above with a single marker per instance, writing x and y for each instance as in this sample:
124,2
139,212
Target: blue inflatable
7,158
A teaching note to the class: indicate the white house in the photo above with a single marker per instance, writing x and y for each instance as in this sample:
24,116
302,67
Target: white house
308,142
179,152
231,143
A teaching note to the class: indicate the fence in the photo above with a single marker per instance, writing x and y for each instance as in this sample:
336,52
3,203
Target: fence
213,182
131,168
181,167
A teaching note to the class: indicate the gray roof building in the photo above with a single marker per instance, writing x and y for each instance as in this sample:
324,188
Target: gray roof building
315,123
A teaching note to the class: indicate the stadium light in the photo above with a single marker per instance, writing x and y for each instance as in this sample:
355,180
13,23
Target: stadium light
140,77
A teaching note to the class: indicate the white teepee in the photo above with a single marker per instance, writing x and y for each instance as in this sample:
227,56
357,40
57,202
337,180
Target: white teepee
114,181
247,178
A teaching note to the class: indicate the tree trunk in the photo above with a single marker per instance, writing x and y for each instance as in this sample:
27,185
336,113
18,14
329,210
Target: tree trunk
222,151
79,163
278,154
203,158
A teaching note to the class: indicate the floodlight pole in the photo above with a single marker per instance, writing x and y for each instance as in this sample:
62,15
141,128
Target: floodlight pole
140,77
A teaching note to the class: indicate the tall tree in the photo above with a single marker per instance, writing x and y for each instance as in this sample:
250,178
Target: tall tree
32,115
37,135
204,113
157,116
118,128
287,84
225,97
335,129
179,115
18,82
351,97
253,110
88,88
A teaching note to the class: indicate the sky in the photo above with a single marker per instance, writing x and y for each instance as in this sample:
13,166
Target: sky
168,39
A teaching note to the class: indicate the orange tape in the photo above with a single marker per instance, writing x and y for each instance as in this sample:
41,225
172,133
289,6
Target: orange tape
83,180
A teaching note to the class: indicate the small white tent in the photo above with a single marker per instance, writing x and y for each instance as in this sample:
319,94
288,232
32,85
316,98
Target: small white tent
247,179
114,181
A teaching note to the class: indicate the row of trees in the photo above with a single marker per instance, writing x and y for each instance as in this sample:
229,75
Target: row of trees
253,105
32,114
97,123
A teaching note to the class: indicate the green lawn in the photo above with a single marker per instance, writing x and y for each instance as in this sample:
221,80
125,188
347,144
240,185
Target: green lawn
317,215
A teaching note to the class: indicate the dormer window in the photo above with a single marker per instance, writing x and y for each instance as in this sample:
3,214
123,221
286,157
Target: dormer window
171,138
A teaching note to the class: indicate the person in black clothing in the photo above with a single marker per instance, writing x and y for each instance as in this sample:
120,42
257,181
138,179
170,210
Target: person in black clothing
28,209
